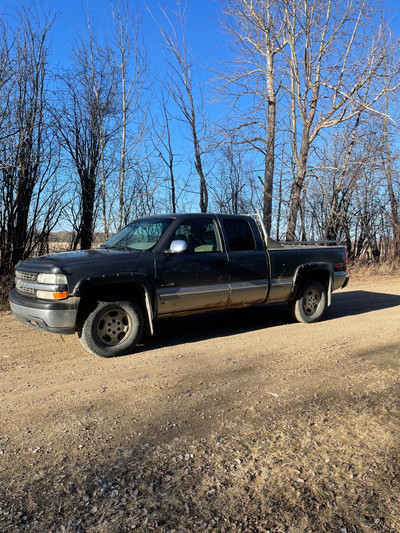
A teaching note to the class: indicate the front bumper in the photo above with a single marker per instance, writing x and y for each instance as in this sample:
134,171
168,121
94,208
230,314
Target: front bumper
55,317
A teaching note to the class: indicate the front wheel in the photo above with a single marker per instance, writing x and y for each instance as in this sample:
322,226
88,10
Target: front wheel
310,303
112,327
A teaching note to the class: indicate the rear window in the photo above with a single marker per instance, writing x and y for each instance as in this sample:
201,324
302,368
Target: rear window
239,235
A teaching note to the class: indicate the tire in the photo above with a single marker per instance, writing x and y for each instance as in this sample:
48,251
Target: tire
112,327
310,303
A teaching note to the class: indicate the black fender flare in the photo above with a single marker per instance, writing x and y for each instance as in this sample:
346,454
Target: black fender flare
320,269
133,279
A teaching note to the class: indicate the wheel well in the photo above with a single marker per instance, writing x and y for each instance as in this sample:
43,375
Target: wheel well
321,275
131,291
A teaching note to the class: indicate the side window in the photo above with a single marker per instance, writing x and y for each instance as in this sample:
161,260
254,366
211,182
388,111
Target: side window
200,235
239,235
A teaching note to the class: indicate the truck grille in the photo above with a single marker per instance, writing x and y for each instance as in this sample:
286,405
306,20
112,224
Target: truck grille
25,282
27,276
26,290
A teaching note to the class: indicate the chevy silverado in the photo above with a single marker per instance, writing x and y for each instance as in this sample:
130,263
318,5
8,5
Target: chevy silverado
171,265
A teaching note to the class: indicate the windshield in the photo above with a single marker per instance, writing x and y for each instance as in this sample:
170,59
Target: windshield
140,235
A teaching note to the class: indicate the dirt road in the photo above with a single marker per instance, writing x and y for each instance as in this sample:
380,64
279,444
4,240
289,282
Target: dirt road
198,377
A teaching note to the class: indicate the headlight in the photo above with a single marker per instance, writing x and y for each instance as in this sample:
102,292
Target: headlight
52,279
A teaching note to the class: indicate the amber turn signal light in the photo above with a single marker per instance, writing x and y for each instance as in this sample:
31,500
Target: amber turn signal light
60,295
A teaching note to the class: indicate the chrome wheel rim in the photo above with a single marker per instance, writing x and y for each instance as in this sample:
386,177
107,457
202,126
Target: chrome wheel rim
311,301
113,326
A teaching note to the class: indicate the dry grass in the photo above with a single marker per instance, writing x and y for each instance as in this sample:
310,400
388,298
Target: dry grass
56,247
330,465
364,270
6,284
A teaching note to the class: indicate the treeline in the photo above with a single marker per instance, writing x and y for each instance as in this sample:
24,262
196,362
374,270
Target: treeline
308,133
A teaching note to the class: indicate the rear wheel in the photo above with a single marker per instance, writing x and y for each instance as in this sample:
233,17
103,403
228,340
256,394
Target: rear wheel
310,303
112,327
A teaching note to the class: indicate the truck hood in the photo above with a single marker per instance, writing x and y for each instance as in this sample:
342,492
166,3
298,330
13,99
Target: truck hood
68,261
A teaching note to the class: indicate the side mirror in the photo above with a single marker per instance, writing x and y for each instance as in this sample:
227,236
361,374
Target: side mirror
177,247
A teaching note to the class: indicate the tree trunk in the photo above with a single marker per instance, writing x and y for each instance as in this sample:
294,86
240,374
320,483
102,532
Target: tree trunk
270,154
269,165
295,196
123,154
88,194
199,169
394,207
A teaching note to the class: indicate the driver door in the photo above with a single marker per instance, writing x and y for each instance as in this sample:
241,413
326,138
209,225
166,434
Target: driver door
196,278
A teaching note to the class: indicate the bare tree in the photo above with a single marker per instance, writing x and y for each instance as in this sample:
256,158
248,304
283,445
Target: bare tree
131,84
143,182
388,168
257,30
333,56
232,189
28,159
347,195
341,188
181,87
86,103
163,146
100,58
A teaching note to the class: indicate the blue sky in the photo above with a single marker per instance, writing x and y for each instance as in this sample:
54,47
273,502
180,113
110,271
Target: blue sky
204,35
208,43
202,29
206,39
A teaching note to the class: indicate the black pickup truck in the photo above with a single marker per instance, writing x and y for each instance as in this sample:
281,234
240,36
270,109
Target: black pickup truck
172,265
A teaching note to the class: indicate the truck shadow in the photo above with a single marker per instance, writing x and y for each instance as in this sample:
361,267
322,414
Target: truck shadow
180,330
352,303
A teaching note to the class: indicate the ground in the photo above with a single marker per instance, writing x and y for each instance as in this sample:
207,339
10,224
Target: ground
234,421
